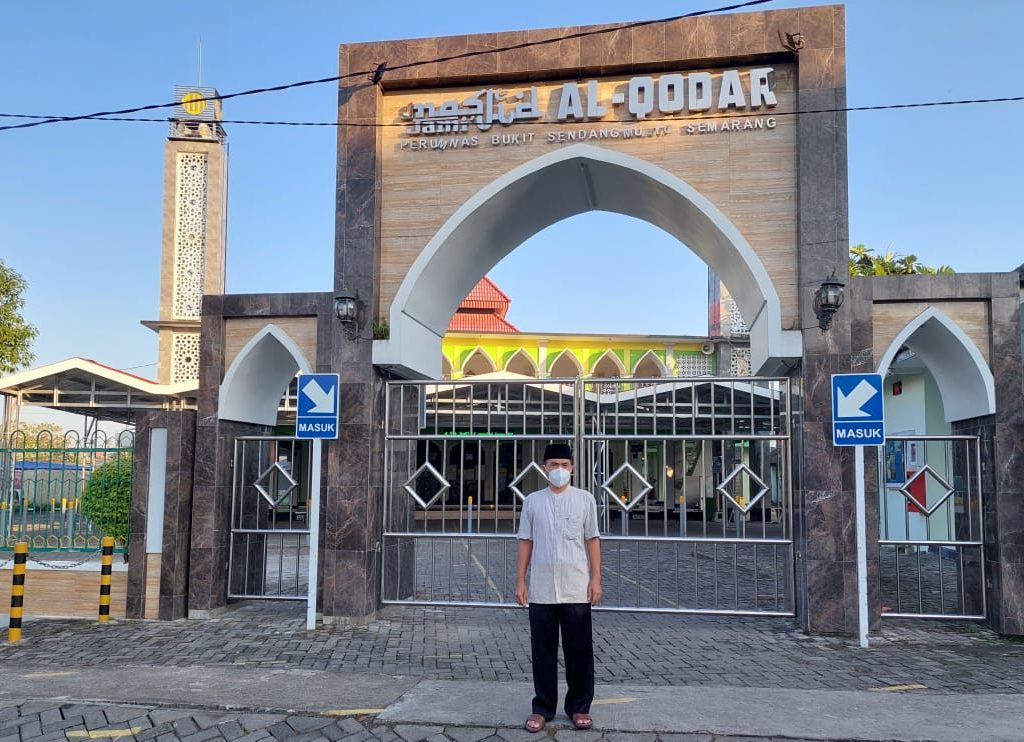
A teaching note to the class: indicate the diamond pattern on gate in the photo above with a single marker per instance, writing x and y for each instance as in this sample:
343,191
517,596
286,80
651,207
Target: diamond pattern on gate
743,470
641,493
265,478
920,474
426,468
532,466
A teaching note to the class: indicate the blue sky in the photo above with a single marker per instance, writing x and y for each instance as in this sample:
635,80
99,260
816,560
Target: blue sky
80,203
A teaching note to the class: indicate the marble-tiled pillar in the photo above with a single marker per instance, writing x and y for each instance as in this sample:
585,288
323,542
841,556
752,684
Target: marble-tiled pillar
1002,464
824,487
176,516
352,526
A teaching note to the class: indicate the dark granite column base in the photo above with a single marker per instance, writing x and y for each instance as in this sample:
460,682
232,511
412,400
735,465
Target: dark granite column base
176,517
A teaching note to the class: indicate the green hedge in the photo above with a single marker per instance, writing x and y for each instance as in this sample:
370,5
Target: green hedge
107,500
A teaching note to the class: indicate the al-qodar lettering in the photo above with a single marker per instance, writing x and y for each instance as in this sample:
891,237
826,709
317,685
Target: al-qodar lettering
674,93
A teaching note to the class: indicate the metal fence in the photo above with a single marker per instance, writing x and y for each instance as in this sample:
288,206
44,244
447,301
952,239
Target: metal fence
691,478
65,491
931,546
268,555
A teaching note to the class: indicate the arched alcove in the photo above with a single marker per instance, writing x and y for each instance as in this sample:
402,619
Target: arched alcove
521,363
650,367
478,362
964,379
565,366
608,366
555,186
259,375
446,367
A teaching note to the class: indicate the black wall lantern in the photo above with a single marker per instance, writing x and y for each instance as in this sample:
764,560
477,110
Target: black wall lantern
346,308
827,300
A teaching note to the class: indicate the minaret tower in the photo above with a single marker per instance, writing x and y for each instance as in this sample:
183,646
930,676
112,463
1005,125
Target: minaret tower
194,229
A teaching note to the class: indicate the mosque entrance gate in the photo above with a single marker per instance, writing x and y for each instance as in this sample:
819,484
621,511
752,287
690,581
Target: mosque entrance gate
931,559
692,480
269,550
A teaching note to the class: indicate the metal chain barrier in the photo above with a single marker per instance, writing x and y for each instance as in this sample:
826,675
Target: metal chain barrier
64,565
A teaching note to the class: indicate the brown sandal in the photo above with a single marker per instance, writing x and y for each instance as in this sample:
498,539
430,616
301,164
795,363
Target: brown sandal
582,721
535,723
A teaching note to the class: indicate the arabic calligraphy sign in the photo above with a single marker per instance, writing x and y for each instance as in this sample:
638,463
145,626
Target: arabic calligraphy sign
636,99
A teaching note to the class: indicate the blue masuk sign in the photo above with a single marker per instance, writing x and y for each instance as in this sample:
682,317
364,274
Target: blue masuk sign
858,417
318,406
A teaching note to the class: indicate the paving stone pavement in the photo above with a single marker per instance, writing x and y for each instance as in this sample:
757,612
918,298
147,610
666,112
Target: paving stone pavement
493,644
475,644
55,720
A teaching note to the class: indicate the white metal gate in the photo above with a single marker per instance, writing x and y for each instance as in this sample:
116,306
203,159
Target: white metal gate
692,480
269,551
931,559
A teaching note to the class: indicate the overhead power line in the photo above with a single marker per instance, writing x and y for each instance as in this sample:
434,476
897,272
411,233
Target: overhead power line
381,69
681,119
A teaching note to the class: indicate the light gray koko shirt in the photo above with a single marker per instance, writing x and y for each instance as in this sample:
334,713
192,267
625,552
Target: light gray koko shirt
558,526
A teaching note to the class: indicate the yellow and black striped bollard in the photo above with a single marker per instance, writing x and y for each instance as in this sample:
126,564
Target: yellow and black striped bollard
18,591
105,572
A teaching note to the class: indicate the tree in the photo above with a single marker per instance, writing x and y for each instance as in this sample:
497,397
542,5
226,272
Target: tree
16,335
863,262
107,499
36,436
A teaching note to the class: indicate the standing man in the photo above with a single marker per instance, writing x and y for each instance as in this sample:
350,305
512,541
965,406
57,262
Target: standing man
558,541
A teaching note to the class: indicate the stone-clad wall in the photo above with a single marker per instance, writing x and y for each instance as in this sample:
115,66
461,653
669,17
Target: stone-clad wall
173,560
1002,434
827,491
215,437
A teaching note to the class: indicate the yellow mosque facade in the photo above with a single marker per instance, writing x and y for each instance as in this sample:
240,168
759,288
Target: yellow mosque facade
481,342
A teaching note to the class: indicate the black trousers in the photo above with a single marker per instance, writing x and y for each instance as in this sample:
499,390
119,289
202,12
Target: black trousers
573,621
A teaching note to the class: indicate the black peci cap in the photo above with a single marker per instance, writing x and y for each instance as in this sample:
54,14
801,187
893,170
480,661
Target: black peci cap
558,451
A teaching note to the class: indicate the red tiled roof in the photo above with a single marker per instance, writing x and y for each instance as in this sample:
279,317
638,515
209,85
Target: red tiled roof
486,295
483,310
480,322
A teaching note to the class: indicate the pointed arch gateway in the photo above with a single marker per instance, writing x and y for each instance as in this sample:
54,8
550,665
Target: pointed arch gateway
555,186
964,379
259,375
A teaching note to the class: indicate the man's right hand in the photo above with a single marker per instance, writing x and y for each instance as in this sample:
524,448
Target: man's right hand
521,592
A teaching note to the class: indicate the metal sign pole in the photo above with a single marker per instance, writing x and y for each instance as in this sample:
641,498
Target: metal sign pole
313,520
862,548
858,419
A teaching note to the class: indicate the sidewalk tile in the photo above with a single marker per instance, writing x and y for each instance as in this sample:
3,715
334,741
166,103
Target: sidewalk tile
415,733
469,734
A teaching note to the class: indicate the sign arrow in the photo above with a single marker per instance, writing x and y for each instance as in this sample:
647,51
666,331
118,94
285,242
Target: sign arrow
323,402
849,405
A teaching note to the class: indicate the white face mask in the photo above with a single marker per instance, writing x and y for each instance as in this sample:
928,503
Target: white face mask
559,477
